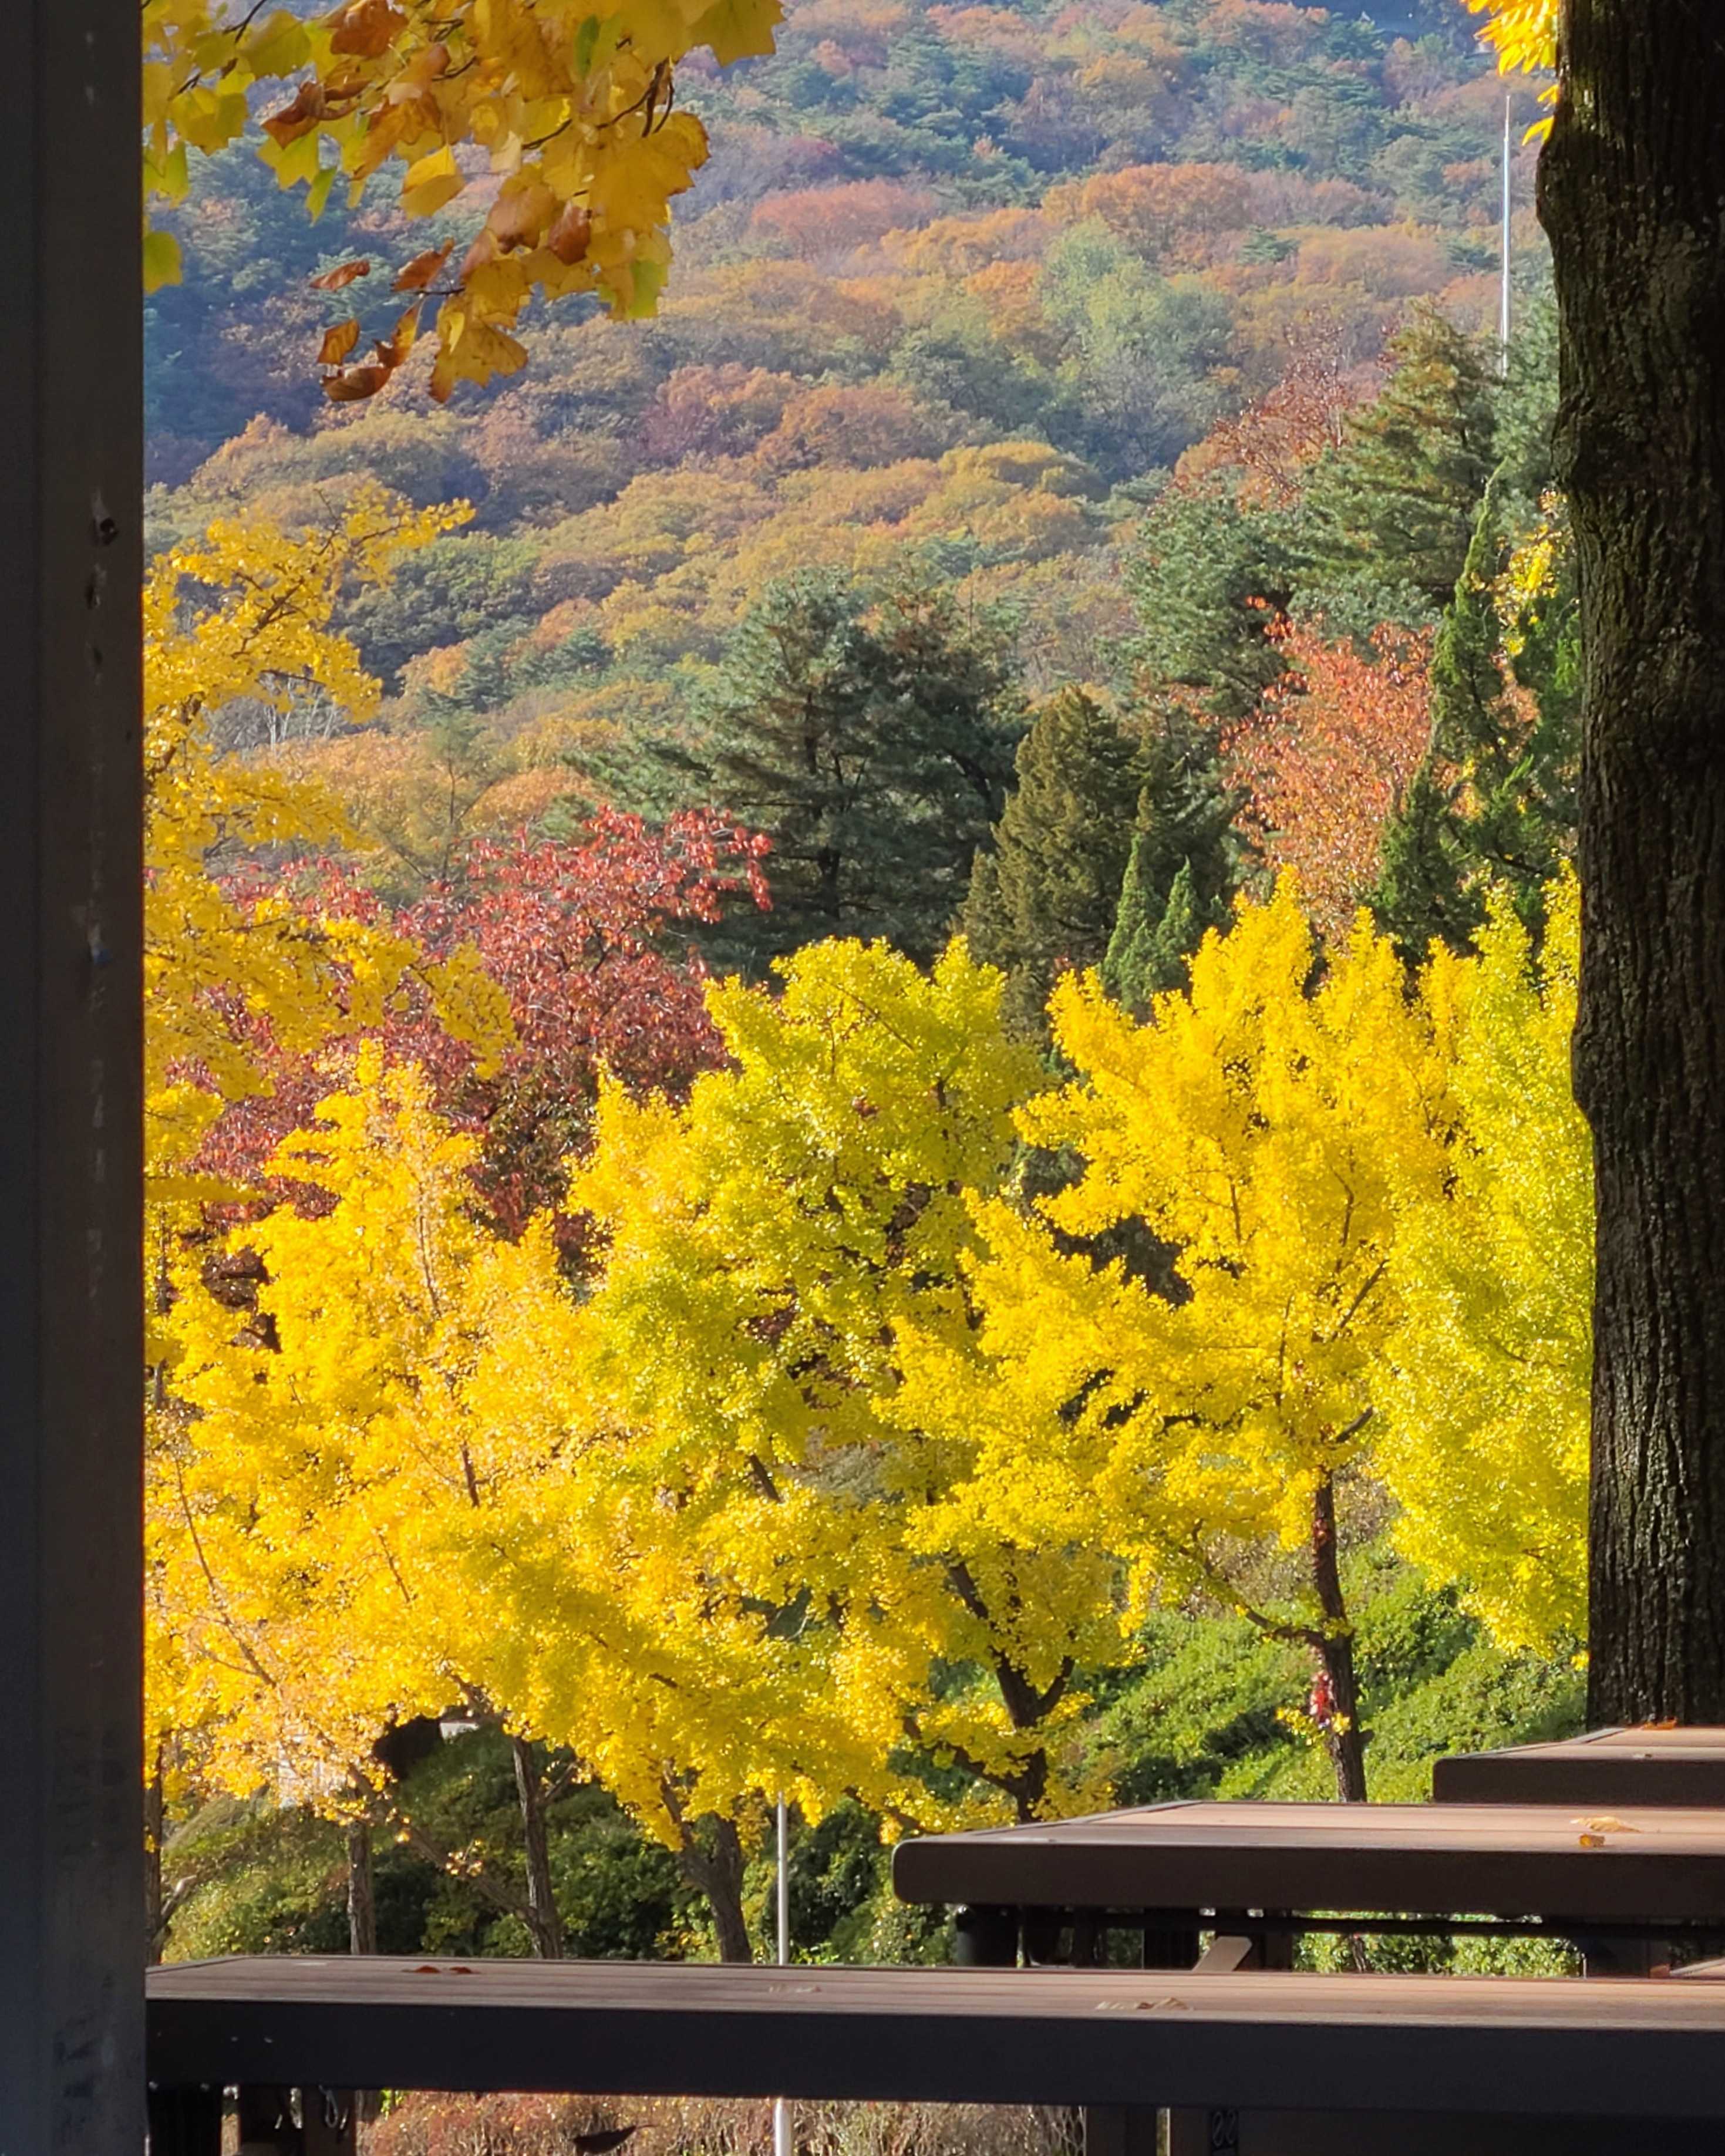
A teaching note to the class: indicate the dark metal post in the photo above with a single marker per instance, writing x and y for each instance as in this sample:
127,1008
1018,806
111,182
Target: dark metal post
71,1857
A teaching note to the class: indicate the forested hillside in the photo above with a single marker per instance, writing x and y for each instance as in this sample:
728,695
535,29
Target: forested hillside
957,293
1071,478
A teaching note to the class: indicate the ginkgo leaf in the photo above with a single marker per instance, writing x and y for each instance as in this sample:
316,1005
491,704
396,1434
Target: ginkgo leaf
342,276
338,341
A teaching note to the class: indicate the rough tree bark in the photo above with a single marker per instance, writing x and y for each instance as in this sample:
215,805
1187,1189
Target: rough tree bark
1344,1739
1632,191
362,1889
543,1921
712,1862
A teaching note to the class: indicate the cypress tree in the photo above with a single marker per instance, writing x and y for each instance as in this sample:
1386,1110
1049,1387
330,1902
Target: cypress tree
1183,867
1493,802
1045,898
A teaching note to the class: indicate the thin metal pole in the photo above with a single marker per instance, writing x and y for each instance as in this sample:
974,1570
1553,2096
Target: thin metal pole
781,2109
1503,310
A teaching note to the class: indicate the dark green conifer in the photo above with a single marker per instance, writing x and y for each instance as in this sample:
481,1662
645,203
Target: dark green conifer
1206,582
1389,514
1493,801
1183,868
873,745
1044,896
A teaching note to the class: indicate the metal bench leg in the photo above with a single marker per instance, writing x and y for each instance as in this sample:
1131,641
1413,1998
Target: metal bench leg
1121,2129
185,2122
332,2117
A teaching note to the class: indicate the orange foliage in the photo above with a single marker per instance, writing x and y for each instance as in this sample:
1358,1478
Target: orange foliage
1392,262
1327,758
1173,215
812,222
1272,442
859,424
714,411
1269,29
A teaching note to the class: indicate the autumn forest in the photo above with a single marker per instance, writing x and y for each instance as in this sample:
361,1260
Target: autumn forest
861,945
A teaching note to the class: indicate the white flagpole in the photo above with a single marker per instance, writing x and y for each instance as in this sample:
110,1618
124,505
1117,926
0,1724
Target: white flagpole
781,2109
1503,314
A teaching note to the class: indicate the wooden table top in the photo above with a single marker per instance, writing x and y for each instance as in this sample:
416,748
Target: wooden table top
1471,2044
1506,1860
1681,1766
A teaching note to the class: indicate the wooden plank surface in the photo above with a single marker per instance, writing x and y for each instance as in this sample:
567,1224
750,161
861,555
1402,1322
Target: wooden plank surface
1510,1859
1680,1766
1469,2045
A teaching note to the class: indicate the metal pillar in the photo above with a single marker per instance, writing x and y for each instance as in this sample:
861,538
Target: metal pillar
71,1859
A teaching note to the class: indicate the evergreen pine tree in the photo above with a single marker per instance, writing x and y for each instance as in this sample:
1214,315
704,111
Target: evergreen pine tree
1206,582
1422,894
1044,896
872,746
1388,515
1183,868
1493,801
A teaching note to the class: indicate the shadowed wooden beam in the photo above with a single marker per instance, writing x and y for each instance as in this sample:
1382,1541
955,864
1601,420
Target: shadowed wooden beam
1468,2047
71,1865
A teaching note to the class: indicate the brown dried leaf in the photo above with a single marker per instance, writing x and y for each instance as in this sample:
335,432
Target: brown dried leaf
519,215
419,272
299,118
392,351
366,27
338,341
342,276
567,238
357,381
483,250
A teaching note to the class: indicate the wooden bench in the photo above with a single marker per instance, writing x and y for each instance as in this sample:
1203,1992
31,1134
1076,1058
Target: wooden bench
1270,2065
1681,1766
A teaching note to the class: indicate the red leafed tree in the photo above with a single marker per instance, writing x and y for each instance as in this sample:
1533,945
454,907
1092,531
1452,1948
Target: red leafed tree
1326,756
1272,445
589,937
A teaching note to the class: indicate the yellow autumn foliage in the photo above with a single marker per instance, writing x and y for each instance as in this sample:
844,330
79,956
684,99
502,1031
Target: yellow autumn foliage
246,615
1484,1384
570,104
1263,1131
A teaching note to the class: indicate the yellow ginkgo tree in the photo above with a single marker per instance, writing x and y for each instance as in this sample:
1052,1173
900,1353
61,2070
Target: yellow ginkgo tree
1484,1386
772,1250
564,110
236,975
1264,1125
383,1487
246,615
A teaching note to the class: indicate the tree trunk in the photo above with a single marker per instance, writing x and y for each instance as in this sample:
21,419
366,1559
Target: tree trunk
155,1924
1632,191
361,1895
1343,1738
543,1921
713,1863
